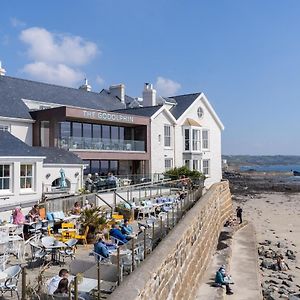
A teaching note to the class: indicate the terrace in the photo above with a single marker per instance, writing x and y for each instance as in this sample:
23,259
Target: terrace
54,244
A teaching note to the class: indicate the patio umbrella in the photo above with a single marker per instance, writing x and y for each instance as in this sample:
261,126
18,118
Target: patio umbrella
62,182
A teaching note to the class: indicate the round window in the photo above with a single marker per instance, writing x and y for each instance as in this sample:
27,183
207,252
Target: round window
200,112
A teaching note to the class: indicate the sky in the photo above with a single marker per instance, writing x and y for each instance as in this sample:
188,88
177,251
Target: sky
244,55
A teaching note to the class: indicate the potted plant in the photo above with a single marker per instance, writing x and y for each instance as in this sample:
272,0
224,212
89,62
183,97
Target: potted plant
125,210
93,217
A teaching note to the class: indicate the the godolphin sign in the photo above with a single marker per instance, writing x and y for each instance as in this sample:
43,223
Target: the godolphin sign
106,116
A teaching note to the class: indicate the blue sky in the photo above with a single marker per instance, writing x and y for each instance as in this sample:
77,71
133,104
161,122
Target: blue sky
244,55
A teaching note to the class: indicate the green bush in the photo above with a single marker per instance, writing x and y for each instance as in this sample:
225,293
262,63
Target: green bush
176,173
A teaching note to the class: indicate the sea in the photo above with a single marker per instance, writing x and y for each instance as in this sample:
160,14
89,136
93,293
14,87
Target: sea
284,169
271,168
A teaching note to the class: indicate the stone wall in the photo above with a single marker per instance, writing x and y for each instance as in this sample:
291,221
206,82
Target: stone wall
176,266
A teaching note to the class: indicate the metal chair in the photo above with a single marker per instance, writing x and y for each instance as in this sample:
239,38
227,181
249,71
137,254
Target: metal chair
36,228
70,250
11,283
37,252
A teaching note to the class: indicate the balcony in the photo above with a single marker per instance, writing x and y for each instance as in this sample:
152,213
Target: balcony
98,144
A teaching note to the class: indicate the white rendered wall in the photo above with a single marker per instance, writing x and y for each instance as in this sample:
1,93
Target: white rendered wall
21,130
71,172
16,195
214,152
158,151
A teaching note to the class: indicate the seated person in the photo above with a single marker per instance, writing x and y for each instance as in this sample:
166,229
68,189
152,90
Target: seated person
220,280
100,247
116,233
34,214
63,288
127,229
54,281
17,216
76,209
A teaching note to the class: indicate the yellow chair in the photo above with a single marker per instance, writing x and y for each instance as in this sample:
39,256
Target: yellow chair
67,226
65,233
82,237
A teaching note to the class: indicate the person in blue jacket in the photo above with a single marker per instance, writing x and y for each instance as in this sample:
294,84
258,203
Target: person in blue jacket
220,280
101,248
116,233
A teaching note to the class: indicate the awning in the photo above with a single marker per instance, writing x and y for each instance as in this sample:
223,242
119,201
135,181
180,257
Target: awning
191,122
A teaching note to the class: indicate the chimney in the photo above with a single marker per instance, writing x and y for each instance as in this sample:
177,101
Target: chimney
119,91
149,95
86,86
2,70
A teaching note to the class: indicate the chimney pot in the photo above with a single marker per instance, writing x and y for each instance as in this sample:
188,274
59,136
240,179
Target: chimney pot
2,70
149,95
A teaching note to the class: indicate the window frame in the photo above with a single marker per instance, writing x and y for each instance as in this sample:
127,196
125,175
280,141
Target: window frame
196,143
171,163
167,136
206,167
4,127
2,190
26,177
206,140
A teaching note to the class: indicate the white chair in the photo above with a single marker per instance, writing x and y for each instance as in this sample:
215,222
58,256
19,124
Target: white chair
11,283
3,261
70,250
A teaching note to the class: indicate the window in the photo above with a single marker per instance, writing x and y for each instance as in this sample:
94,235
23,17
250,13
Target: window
187,163
168,163
206,167
4,127
26,177
186,139
4,177
65,130
205,139
196,165
45,133
167,132
200,112
196,139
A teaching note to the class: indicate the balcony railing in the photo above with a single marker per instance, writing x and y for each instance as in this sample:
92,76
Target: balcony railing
100,144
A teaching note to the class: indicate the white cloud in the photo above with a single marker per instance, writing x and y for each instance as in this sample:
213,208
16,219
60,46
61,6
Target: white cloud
55,58
17,23
58,74
166,87
45,46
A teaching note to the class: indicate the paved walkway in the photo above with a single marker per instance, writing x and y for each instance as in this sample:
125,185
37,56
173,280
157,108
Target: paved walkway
243,266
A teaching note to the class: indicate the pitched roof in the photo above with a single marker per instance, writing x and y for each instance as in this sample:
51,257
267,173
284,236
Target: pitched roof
13,90
146,111
59,156
183,103
12,146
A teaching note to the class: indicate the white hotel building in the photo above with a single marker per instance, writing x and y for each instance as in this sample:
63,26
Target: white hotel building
45,128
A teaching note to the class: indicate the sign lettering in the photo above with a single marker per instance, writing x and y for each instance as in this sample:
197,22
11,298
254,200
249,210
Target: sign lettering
106,116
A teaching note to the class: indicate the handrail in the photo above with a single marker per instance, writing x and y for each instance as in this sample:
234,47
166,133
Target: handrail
100,198
123,198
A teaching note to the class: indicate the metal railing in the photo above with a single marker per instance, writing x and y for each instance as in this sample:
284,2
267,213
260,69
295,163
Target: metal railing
101,144
154,231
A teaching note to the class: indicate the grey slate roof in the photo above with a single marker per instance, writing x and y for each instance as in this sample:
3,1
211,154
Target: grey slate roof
12,90
11,146
183,103
58,156
146,111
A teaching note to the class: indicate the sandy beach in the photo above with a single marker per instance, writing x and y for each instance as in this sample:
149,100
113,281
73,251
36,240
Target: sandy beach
276,217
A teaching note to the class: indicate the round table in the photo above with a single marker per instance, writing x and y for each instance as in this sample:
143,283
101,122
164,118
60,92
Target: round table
3,276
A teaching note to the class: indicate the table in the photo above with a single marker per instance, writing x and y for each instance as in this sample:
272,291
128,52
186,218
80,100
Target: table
54,248
87,285
3,276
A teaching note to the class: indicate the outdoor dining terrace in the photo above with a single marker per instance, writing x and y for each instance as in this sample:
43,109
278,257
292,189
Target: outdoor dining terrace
32,253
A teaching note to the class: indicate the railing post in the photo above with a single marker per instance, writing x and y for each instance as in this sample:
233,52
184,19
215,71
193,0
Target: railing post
75,288
145,250
153,233
23,283
167,222
115,200
177,212
173,221
161,227
118,262
99,280
132,253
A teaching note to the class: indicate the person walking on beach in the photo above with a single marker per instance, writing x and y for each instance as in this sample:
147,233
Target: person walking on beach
239,212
